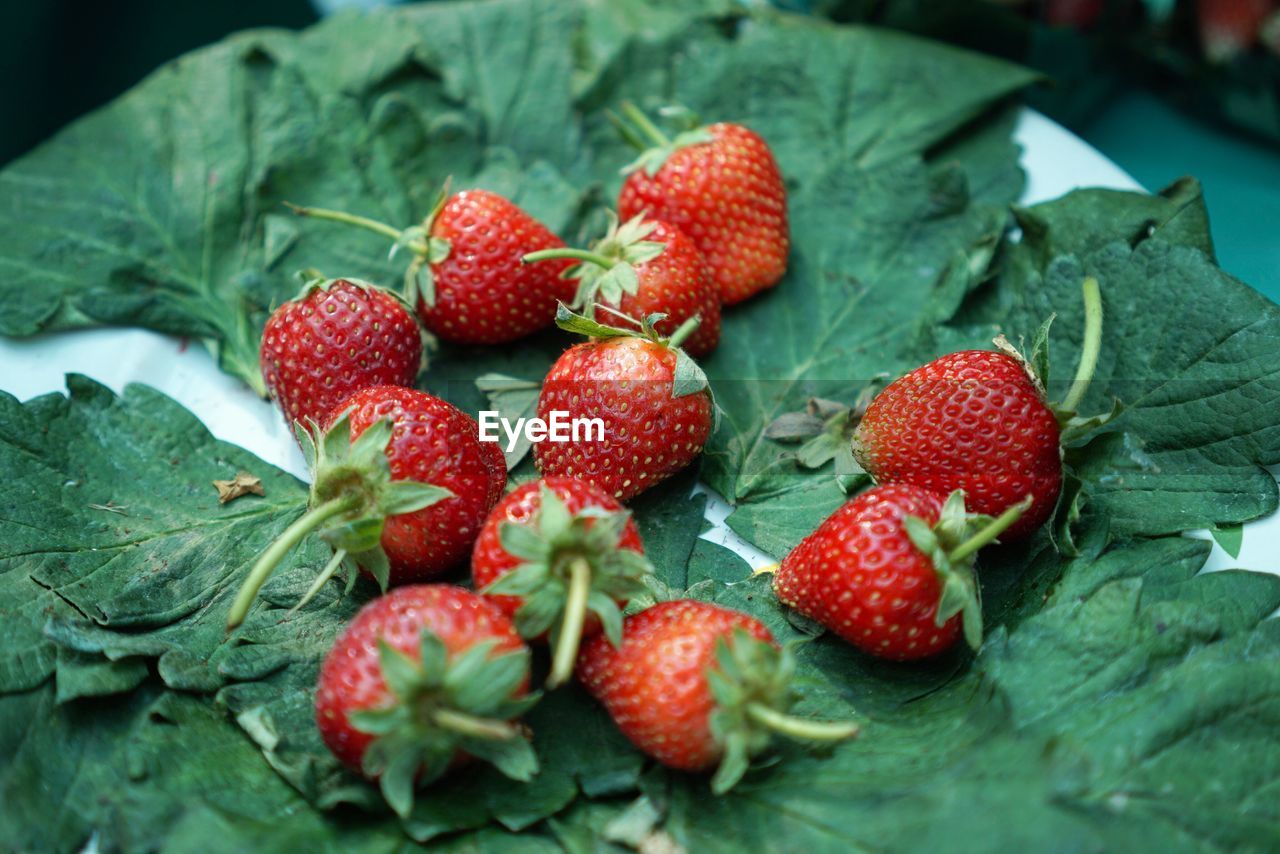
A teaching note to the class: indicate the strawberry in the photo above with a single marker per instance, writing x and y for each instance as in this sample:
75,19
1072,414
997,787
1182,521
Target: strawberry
401,484
333,339
721,186
695,685
560,554
651,398
978,421
645,267
891,571
466,277
422,679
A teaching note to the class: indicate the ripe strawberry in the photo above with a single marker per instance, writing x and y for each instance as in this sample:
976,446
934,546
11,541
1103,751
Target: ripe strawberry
333,339
645,267
651,398
978,421
401,484
721,186
891,571
422,679
466,277
562,555
695,685
973,421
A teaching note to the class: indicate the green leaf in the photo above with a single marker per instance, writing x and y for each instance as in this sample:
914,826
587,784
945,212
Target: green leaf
1191,399
124,581
1230,537
513,399
402,673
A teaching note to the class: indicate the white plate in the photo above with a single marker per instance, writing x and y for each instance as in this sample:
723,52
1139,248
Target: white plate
1055,160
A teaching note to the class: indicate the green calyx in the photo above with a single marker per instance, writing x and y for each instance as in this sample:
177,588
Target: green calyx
655,146
572,564
607,271
352,494
1072,425
441,706
750,681
689,377
427,251
952,545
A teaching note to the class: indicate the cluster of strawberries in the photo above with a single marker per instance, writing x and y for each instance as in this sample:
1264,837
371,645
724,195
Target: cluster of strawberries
431,675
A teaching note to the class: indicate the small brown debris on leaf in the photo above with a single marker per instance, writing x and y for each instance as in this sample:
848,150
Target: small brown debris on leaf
242,484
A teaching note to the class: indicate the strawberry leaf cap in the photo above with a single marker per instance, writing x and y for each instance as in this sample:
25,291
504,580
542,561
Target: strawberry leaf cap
441,706
571,564
952,545
352,494
689,378
750,681
607,271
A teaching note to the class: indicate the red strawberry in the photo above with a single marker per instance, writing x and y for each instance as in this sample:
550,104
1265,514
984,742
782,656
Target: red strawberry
695,685
978,421
423,678
467,278
401,485
721,186
333,339
560,555
645,267
892,571
973,421
651,398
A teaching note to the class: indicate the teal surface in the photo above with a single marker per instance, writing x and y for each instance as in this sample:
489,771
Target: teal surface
1156,144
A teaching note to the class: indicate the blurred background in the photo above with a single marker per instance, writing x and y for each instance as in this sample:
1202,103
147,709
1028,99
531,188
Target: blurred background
1162,87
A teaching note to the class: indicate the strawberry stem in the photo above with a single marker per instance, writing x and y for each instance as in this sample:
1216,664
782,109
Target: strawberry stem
683,331
987,535
801,729
1091,347
418,247
473,726
321,580
575,615
277,551
647,127
574,254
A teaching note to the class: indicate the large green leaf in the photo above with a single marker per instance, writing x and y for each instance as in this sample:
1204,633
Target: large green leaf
94,596
1192,355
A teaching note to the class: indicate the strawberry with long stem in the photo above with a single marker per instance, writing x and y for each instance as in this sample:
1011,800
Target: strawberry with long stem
562,557
466,277
400,485
980,421
422,680
698,686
